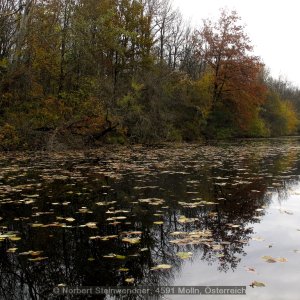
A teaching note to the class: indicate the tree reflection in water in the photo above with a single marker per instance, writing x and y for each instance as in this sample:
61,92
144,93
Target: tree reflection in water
68,213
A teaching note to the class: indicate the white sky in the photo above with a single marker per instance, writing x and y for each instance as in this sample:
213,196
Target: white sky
273,26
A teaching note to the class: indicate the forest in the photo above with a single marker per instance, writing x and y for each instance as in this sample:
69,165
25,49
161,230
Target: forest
79,73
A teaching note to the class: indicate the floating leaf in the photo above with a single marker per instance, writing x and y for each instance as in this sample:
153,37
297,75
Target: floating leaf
217,247
15,238
112,255
252,270
37,225
281,259
123,270
177,233
91,225
129,280
61,285
258,239
158,222
184,255
131,240
257,284
70,219
286,212
37,259
183,219
11,250
271,259
161,267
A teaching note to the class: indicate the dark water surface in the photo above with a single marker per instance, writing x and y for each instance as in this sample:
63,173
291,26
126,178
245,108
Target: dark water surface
226,214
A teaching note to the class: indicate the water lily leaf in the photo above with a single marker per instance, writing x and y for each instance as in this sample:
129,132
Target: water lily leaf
161,267
257,284
184,255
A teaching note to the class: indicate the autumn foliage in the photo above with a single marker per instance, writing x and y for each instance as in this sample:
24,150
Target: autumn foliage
87,72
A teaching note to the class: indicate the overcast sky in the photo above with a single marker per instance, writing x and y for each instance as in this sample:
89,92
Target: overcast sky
273,26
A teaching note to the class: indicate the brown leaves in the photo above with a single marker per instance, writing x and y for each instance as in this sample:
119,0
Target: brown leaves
270,259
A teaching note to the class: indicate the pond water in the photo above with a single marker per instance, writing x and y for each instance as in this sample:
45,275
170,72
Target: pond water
184,215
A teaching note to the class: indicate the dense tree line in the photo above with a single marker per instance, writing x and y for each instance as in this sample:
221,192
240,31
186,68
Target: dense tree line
79,72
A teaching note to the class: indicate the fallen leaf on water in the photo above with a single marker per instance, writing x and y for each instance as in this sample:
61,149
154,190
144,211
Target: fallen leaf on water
37,225
184,219
281,259
70,219
37,259
91,225
252,270
161,267
11,250
112,255
131,240
177,233
15,238
123,270
129,280
184,255
217,247
257,284
158,222
61,285
270,259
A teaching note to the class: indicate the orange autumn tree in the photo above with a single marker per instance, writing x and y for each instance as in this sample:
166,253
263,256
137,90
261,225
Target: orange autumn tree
227,52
